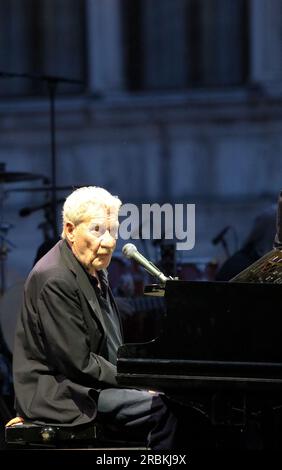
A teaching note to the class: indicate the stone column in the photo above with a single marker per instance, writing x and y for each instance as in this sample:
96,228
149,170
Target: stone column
105,52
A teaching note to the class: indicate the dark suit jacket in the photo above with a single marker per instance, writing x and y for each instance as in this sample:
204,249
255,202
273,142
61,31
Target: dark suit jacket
60,353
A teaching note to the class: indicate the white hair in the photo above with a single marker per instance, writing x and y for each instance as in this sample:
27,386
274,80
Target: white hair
84,201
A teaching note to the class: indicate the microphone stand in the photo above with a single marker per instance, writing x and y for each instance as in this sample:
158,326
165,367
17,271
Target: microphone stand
225,247
52,82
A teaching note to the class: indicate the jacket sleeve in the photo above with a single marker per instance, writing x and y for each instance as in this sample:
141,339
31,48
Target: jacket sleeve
66,338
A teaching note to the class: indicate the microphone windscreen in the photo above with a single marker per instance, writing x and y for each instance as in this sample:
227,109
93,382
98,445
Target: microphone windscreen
129,249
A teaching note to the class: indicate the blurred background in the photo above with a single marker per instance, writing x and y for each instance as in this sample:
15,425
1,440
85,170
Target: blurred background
167,101
158,101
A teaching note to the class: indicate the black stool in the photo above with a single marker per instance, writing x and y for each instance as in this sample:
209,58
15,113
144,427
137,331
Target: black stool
29,435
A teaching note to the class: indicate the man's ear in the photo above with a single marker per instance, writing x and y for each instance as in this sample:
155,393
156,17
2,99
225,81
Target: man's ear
69,231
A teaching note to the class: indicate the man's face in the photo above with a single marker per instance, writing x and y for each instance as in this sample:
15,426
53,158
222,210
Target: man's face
94,239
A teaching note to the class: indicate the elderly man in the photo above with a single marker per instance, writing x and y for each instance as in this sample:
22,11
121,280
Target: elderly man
69,331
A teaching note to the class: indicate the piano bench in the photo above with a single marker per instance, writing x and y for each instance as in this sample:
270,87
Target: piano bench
28,435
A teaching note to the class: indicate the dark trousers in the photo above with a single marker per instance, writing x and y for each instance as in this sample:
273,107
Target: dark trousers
139,414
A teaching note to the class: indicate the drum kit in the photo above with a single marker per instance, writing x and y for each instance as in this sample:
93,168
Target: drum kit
11,296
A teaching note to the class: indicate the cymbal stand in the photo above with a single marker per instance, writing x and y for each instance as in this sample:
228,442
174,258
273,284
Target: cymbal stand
47,224
52,85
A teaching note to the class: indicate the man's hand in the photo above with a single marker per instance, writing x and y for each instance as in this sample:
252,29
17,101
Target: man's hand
12,422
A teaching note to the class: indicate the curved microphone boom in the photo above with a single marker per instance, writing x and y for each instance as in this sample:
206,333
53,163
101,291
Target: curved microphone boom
130,251
220,236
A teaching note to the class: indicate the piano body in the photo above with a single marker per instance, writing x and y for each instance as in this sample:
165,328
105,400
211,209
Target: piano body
220,345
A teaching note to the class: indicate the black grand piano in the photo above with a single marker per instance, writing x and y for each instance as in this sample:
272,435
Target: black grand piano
219,346
214,335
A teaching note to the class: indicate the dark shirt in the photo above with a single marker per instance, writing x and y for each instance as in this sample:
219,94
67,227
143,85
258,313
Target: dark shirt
114,337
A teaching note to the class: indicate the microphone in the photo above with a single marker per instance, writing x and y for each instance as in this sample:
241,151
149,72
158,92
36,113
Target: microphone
130,251
220,236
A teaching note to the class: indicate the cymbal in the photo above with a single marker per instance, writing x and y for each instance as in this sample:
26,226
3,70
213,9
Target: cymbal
16,176
48,188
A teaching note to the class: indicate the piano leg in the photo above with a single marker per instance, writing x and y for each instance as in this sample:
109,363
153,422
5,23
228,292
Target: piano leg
195,430
271,419
228,421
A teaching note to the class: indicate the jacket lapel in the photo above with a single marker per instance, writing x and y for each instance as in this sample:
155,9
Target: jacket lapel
104,276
